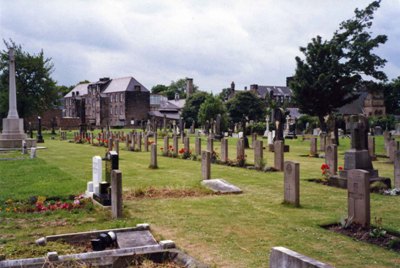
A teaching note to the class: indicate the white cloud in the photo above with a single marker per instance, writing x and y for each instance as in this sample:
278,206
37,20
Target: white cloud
157,41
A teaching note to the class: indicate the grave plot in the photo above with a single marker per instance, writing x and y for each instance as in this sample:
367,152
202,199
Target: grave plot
122,247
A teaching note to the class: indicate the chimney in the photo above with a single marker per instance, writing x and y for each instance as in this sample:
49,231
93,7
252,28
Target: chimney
189,87
288,80
254,87
233,86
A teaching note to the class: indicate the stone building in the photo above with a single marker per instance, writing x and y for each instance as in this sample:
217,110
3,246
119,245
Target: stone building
114,102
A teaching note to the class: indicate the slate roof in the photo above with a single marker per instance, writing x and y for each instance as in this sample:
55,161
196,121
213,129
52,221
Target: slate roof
168,106
172,116
123,84
81,88
178,103
355,107
277,91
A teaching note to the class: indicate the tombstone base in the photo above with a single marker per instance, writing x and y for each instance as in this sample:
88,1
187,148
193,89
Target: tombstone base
16,143
103,199
358,159
341,182
285,148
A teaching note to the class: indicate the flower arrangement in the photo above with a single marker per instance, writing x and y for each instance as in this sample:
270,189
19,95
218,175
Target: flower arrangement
170,152
185,154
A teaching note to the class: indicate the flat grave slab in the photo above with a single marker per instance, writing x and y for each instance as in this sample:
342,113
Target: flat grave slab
221,186
135,239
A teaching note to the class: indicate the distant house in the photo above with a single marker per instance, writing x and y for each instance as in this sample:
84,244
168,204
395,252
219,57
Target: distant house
114,102
280,94
367,103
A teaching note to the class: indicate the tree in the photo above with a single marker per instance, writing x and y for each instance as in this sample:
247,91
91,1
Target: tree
333,69
210,108
192,106
245,104
178,86
392,96
36,90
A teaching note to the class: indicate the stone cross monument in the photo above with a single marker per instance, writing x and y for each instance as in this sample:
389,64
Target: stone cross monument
13,127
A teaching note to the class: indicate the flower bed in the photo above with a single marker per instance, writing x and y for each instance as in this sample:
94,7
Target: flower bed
43,204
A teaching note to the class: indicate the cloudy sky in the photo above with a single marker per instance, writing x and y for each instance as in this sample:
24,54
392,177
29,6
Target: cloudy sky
157,41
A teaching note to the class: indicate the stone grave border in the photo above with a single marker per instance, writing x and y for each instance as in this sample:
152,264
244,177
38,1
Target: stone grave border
165,249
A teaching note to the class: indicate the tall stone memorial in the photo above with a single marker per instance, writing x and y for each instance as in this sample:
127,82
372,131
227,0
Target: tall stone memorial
13,127
358,156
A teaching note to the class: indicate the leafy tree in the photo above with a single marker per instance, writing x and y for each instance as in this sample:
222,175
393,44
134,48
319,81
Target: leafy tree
224,94
245,104
392,96
178,86
191,109
36,90
332,69
210,108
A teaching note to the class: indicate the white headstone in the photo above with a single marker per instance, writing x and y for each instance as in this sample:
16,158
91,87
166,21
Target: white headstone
97,169
33,152
240,135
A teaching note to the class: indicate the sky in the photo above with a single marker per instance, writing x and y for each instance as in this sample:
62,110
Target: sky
214,42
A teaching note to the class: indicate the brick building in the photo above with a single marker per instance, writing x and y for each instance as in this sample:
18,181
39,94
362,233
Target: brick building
109,102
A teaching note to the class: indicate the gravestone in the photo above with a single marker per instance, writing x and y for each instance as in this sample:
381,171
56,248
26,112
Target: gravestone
258,154
278,155
33,153
371,147
97,173
378,131
322,141
139,141
206,165
397,169
197,146
175,145
186,144
393,146
112,162
116,194
166,145
116,146
224,150
240,152
331,158
292,183
358,200
210,144
313,146
24,147
146,143
110,144
153,156
253,139
266,132
133,142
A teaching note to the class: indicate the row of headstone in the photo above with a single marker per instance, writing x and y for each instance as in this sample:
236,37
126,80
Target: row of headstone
63,135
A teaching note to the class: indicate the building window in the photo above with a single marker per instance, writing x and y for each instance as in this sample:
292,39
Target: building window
121,96
121,110
111,97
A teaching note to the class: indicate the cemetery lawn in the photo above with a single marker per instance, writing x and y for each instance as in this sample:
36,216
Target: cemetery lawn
219,230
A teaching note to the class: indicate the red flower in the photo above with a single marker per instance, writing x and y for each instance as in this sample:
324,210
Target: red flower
324,166
161,148
340,168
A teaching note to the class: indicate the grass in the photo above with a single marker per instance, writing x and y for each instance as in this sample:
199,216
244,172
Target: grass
220,230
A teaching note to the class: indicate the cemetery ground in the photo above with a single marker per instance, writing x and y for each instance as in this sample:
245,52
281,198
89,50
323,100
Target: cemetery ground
219,230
